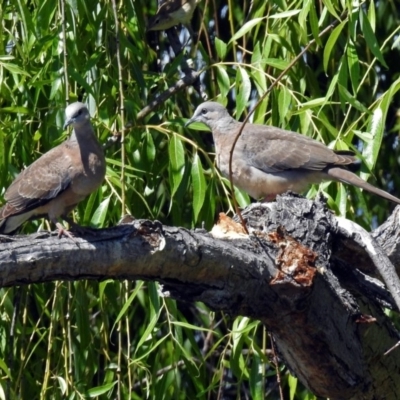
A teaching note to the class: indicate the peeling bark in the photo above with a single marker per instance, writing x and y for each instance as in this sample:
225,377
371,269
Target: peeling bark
297,272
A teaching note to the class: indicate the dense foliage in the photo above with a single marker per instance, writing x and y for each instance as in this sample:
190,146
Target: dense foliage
122,339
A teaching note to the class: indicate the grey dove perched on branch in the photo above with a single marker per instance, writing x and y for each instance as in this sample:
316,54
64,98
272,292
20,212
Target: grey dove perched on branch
268,161
55,183
171,13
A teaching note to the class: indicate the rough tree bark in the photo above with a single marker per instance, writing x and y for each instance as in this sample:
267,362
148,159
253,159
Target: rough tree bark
312,283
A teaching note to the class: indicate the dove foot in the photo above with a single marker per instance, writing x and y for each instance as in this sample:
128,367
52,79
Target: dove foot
63,231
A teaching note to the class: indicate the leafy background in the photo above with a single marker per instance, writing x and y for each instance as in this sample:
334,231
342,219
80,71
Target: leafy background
111,339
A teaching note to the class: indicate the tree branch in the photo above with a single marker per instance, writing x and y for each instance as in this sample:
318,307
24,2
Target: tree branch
295,273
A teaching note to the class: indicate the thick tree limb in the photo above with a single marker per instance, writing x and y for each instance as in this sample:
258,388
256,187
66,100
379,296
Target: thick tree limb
297,272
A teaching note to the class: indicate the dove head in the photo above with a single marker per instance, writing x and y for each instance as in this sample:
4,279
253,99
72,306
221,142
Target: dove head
212,114
76,114
160,22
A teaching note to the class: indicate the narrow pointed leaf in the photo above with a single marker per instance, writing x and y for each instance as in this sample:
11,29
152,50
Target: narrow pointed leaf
199,186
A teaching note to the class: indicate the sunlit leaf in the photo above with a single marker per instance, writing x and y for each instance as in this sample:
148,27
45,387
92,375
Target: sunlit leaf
370,38
331,43
284,100
354,66
98,390
285,14
221,48
248,26
347,96
100,214
199,186
331,8
243,87
223,80
376,127
176,162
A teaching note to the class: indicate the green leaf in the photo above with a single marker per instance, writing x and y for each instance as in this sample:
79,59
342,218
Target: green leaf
25,14
242,197
292,382
243,87
332,87
276,63
343,79
147,333
370,38
150,147
16,109
100,214
314,24
127,304
331,8
190,326
220,47
257,71
256,378
311,104
284,14
2,393
347,96
56,85
176,162
248,26
13,68
63,384
354,66
331,43
372,14
4,367
303,16
223,81
341,199
199,186
376,127
284,100
364,136
98,390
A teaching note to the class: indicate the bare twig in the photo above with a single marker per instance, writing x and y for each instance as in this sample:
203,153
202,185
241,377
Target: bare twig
187,80
17,303
276,363
63,22
121,106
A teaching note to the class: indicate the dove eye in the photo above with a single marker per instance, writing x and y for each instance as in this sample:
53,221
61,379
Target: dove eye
204,111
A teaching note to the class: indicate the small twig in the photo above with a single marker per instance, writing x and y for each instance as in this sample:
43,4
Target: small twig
11,356
121,106
391,349
187,80
160,372
116,136
276,362
62,4
278,79
46,378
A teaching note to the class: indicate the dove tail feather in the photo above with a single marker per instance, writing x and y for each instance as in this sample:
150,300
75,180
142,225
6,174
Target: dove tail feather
346,176
11,223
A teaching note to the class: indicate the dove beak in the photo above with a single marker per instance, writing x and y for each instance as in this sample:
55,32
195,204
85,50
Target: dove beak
68,123
190,121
